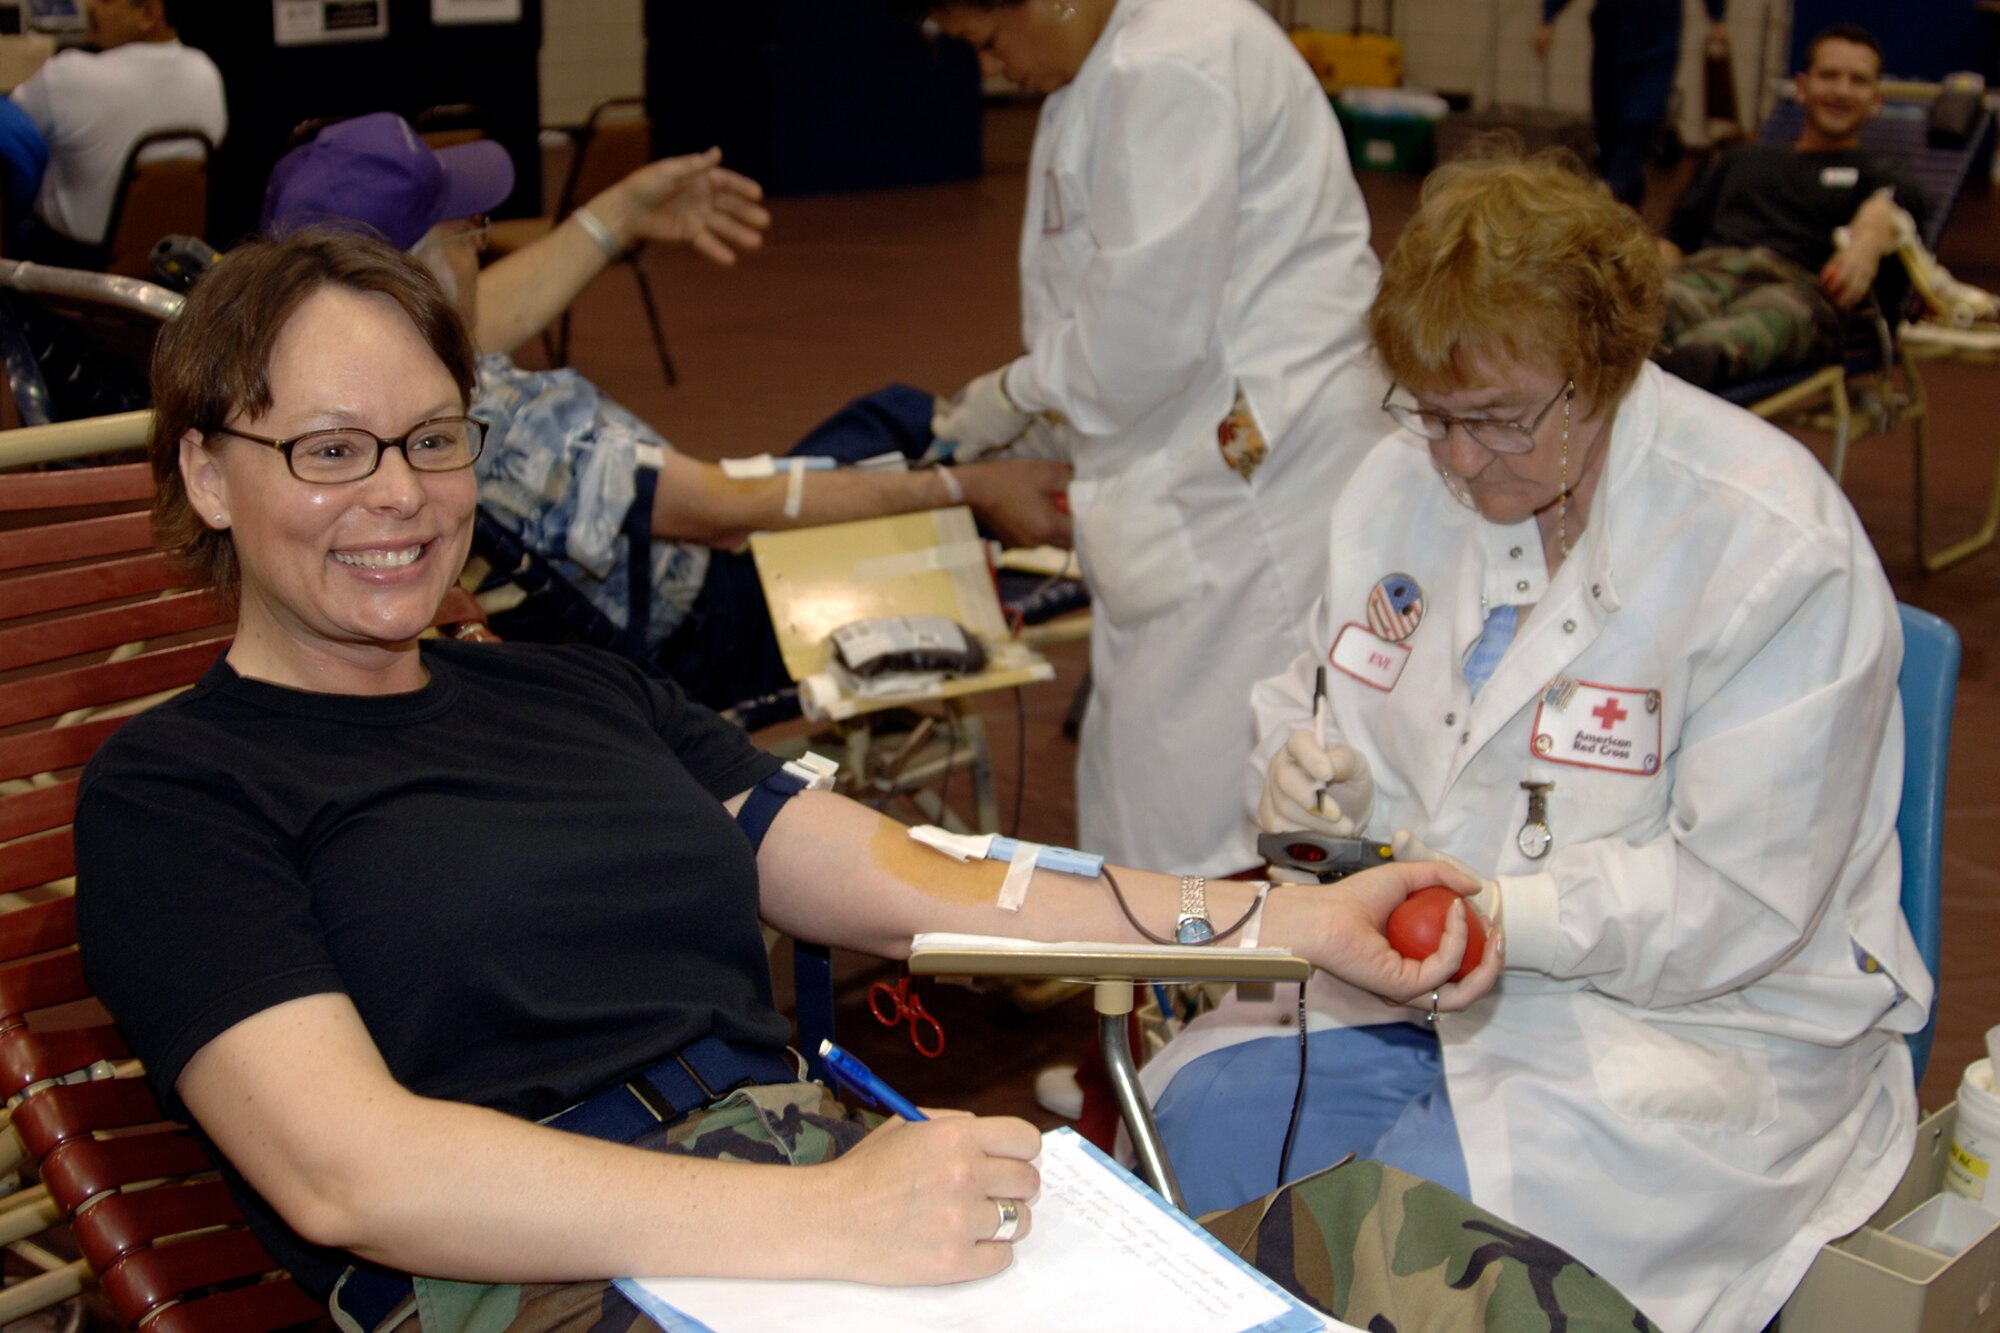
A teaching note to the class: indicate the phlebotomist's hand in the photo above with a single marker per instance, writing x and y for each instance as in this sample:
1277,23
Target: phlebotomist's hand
918,1204
1325,789
981,417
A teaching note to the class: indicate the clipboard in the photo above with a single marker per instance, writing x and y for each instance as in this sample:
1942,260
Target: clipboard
1101,1241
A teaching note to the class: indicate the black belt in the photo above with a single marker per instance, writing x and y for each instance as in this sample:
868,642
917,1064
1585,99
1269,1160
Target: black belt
685,1081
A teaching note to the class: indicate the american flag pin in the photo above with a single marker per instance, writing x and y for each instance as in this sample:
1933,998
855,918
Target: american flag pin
1395,607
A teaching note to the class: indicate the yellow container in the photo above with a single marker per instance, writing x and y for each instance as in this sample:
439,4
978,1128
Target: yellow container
1351,59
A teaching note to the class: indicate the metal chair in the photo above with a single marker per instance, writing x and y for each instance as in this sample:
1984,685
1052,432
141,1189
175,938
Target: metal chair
160,193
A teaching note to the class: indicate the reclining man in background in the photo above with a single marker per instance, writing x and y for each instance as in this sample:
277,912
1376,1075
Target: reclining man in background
1757,282
562,461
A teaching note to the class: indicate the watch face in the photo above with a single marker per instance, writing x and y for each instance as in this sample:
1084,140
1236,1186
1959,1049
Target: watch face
1534,839
1194,930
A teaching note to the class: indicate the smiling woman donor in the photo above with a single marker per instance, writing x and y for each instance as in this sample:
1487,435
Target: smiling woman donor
433,939
1625,650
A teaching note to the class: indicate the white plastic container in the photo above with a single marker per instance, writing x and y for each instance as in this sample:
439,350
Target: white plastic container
1975,1142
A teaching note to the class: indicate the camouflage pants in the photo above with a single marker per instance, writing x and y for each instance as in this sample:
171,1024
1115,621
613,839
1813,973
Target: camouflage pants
1733,315
1373,1246
1388,1252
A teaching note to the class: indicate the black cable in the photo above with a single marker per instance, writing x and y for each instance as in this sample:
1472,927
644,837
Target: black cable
1298,1093
1298,1097
1137,925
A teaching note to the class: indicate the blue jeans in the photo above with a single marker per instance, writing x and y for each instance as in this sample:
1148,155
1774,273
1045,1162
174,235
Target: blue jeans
1377,1092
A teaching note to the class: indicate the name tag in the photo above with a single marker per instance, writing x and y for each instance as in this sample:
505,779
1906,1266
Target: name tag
1607,727
1369,658
1840,178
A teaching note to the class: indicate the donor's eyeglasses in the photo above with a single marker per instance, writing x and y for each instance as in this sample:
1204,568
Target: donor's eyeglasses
330,457
1502,437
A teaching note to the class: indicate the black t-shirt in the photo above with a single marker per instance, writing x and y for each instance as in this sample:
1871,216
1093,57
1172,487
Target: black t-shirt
521,874
1776,196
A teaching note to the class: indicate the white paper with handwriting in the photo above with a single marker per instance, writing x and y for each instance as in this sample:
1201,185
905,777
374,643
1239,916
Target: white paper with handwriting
1106,1252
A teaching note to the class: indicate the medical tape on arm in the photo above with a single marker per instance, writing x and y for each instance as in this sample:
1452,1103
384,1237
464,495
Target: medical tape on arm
795,486
1020,870
1253,928
1022,858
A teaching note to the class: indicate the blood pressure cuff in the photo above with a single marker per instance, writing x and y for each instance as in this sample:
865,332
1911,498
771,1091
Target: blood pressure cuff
886,644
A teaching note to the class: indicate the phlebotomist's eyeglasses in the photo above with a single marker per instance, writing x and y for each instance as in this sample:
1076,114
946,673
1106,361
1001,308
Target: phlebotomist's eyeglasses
1502,437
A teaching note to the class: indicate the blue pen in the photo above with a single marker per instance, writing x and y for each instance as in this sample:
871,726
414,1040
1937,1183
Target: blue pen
862,1079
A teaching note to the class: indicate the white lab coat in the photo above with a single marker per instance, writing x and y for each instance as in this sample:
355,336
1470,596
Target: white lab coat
1192,229
1686,1077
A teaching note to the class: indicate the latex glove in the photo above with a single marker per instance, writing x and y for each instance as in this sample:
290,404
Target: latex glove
1409,847
980,417
1293,782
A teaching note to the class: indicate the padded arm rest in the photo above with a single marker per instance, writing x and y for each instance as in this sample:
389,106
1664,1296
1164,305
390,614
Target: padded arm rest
68,1111
118,1224
84,1168
153,1276
28,1057
267,1305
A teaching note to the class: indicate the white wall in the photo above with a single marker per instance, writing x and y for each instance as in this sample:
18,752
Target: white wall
1482,47
591,49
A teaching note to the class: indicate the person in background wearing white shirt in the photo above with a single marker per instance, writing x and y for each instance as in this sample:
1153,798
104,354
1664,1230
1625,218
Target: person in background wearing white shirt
94,108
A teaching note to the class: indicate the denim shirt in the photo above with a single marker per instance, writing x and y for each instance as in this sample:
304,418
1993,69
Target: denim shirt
558,472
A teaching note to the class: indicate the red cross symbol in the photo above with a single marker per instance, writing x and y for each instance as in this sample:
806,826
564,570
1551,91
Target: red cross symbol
1609,713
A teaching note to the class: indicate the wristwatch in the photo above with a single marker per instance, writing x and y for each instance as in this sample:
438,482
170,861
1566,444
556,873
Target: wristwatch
1194,927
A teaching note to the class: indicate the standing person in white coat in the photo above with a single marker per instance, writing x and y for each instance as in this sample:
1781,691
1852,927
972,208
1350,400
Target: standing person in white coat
1626,651
1194,269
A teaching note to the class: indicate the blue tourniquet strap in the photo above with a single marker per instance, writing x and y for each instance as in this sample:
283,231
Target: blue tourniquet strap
687,1080
765,800
812,964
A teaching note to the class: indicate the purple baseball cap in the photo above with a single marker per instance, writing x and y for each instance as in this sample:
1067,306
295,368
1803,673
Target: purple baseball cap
375,170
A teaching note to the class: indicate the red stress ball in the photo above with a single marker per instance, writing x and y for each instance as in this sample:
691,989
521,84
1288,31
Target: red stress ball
1416,927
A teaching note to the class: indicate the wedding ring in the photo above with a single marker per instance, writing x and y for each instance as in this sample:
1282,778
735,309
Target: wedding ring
1432,1016
1010,1220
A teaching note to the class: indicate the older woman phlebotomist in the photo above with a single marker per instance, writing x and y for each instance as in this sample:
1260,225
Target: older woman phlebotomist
1626,650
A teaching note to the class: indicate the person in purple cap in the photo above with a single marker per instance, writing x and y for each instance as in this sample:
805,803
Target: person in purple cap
564,464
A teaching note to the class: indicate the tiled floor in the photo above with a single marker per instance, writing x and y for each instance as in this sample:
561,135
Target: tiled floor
918,285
